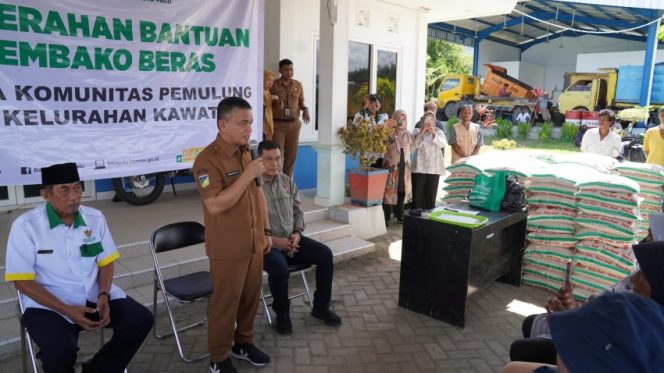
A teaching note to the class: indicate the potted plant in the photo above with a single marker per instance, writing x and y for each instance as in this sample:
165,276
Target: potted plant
366,141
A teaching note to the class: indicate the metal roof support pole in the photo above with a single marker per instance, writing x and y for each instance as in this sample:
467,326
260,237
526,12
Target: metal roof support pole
476,55
649,62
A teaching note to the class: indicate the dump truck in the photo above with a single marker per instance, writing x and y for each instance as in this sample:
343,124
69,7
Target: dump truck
457,89
613,88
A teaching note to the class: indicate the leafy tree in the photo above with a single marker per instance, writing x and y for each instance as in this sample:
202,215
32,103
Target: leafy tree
444,58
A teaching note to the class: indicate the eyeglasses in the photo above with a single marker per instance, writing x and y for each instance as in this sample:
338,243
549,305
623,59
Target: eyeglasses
66,191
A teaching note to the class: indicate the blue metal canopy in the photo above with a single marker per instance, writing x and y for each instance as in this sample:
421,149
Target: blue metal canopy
533,22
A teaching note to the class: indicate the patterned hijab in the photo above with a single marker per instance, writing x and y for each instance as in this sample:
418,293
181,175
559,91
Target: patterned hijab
401,135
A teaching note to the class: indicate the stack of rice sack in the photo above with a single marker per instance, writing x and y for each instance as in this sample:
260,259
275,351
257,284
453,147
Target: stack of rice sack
461,175
551,224
650,178
460,178
607,220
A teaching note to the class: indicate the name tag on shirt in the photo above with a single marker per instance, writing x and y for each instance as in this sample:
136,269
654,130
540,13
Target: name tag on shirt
44,251
233,173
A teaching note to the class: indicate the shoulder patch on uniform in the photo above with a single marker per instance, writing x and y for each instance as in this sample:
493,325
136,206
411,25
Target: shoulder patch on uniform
204,179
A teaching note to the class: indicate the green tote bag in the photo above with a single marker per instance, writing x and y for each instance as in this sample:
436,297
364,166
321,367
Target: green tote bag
488,191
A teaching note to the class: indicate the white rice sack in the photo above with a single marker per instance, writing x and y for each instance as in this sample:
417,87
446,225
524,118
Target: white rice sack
552,213
550,200
564,240
592,207
646,173
606,238
610,183
547,279
607,224
586,286
603,261
630,200
601,163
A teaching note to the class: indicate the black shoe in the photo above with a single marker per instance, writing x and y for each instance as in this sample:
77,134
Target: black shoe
225,366
249,352
328,316
284,325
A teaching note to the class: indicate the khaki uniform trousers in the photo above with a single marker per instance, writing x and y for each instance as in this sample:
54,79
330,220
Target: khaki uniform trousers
287,135
236,285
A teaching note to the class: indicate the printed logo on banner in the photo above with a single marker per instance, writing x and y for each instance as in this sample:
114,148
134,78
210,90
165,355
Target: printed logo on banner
188,155
26,170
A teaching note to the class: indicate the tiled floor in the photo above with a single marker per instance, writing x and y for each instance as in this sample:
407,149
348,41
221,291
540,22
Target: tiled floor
376,335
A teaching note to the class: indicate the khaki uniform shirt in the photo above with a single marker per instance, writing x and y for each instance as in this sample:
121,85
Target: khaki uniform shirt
291,96
283,205
466,138
238,232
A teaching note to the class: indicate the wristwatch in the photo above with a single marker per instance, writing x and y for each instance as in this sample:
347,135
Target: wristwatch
104,293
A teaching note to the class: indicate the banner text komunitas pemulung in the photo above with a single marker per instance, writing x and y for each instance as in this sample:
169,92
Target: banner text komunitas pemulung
123,89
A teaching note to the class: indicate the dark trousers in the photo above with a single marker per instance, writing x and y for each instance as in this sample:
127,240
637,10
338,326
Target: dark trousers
425,189
534,350
57,338
398,208
276,262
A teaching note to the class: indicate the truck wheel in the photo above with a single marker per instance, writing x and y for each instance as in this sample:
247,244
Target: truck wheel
451,110
139,190
440,115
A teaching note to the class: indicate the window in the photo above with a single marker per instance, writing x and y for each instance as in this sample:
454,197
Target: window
449,84
359,65
386,80
580,86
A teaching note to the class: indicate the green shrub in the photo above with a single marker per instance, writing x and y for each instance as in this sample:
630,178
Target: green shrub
503,128
545,132
504,144
450,122
522,130
569,131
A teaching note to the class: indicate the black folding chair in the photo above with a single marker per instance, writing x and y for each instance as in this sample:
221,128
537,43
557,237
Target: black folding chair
184,289
300,269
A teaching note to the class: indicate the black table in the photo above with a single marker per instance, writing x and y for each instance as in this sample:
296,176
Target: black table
440,262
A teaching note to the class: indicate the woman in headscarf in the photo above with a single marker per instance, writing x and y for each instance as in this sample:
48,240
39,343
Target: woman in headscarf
398,190
268,98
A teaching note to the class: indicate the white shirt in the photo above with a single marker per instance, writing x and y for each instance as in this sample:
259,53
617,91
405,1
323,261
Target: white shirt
42,248
522,117
427,157
609,146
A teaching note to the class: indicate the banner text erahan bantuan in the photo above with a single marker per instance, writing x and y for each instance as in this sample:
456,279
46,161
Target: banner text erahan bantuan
23,19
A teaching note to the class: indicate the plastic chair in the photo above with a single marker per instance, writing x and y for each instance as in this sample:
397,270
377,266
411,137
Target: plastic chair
28,346
185,289
293,268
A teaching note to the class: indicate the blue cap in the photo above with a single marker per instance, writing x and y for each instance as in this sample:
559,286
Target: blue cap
616,332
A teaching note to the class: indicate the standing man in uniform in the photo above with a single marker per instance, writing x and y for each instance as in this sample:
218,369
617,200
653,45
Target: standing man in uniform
237,234
290,246
466,138
287,116
60,257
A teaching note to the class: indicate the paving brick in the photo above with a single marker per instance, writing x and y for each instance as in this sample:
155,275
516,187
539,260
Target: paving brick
376,334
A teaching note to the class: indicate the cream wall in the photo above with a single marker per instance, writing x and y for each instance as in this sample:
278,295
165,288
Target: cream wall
294,35
595,61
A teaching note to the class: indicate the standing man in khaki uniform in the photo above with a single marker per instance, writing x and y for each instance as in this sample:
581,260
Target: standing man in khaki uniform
237,234
287,116
466,138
